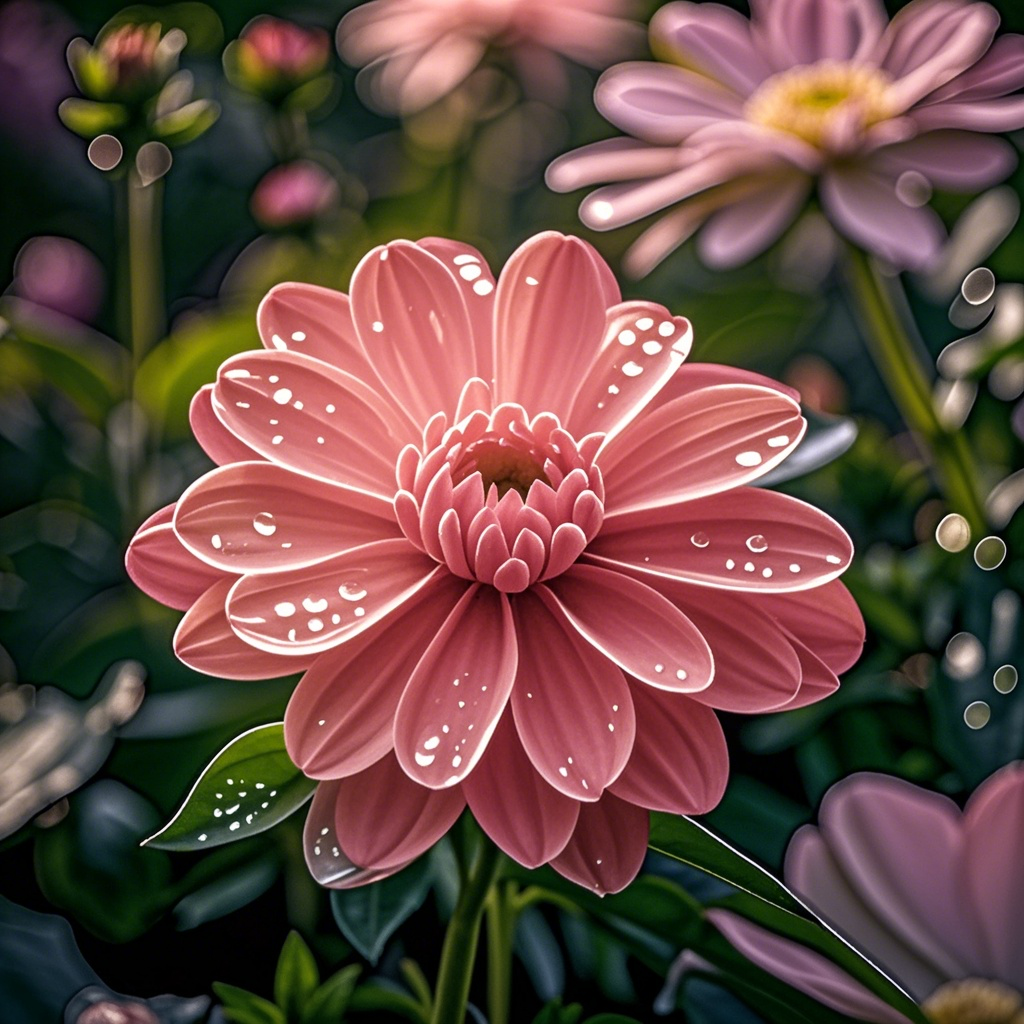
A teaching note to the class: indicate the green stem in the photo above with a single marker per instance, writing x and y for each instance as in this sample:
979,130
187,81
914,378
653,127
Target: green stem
893,352
459,952
501,926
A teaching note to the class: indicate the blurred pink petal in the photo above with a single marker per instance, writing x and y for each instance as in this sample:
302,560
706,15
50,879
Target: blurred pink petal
955,160
294,195
805,31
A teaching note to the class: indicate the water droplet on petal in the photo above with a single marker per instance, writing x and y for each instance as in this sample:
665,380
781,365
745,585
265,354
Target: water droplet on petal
263,523
757,543
700,539
311,604
748,459
285,609
282,396
652,348
352,591
632,369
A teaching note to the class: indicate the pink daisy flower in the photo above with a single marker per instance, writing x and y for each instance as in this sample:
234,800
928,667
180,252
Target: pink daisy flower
513,545
417,51
752,115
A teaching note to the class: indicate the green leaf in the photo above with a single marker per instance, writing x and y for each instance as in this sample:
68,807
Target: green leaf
186,123
244,1007
611,1018
555,1013
313,95
328,1003
297,977
89,118
387,996
247,788
368,915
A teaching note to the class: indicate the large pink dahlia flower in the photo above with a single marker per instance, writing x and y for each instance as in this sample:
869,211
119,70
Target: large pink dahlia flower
750,115
416,51
512,543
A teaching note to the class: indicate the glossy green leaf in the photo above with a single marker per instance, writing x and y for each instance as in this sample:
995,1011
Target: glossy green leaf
88,118
369,915
296,978
242,1007
247,788
328,1003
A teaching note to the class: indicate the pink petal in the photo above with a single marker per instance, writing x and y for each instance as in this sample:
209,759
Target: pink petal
204,641
259,517
680,760
688,448
644,345
866,209
161,567
999,72
693,376
316,322
633,625
312,609
618,159
541,339
572,706
742,539
608,847
667,233
525,816
712,39
804,969
817,680
959,161
994,827
414,327
999,115
806,31
282,404
214,438
339,719
383,819
458,691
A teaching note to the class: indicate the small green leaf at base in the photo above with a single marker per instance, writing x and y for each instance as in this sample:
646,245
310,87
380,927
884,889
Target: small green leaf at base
297,976
250,786
244,1007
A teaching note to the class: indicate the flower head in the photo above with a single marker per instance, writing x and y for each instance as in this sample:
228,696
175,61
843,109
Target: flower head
295,194
746,117
416,51
512,542
272,57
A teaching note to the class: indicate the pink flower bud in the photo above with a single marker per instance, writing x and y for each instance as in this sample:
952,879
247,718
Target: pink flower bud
294,194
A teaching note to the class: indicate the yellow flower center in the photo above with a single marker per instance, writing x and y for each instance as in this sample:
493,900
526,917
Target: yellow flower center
811,101
974,1001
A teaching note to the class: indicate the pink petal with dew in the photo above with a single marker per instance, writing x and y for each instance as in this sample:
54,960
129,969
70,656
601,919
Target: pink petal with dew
324,857
452,702
414,327
816,876
958,161
340,717
214,438
806,31
205,641
680,760
756,667
693,376
643,347
866,208
993,836
826,619
997,73
261,517
161,567
475,278
804,969
712,39
316,322
541,339
999,115
610,160
662,103
527,818
688,448
303,414
744,229
633,625
900,847
608,846
383,819
572,706
311,609
742,539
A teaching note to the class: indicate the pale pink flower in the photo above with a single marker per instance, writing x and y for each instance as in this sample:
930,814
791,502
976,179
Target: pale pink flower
513,546
933,895
294,194
416,51
752,115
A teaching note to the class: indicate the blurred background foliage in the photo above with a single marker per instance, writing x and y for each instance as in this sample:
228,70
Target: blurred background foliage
931,700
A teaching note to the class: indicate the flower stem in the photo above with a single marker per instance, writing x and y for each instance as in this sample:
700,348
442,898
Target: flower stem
501,925
459,952
900,367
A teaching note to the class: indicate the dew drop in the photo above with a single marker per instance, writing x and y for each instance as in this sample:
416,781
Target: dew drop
277,439
470,272
313,605
330,408
431,743
315,625
627,337
779,441
298,335
1005,678
977,714
216,541
953,533
483,287
659,668
833,560
602,210
748,459
757,543
645,323
377,326
793,567
700,539
666,328
282,396
352,592
652,348
285,609
424,760
681,674
263,523
531,281
748,567
632,369
730,564
990,553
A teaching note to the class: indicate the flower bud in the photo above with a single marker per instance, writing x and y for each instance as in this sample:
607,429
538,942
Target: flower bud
273,57
293,195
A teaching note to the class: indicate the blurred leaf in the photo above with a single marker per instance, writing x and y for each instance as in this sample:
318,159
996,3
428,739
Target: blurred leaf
296,978
225,895
245,1007
314,95
180,126
89,118
538,950
369,915
247,788
611,1018
555,1013
328,1003
387,996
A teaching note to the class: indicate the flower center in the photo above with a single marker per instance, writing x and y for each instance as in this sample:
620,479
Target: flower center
500,464
974,1001
821,103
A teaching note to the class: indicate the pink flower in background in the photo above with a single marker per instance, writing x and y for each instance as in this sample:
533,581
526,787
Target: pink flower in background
416,51
513,545
933,895
294,194
274,51
61,275
751,115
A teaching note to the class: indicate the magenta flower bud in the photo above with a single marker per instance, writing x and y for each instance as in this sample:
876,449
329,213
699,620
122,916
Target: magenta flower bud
294,194
61,275
273,56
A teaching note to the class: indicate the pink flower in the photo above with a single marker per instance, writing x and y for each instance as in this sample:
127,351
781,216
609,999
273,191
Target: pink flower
294,194
514,548
272,56
417,51
751,115
933,895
